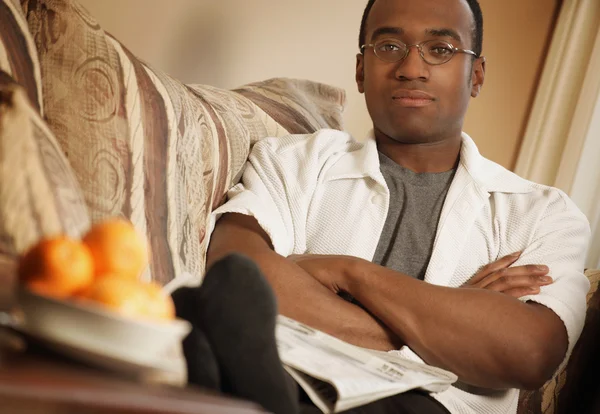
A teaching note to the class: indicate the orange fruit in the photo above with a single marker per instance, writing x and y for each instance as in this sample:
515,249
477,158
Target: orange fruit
129,297
57,267
117,248
160,305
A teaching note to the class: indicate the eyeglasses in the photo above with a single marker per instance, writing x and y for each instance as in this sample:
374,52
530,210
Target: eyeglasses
433,52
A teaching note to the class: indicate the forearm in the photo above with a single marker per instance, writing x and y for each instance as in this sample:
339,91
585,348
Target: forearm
299,295
488,339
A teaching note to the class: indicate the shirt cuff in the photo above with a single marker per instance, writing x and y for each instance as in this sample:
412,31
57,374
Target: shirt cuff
242,201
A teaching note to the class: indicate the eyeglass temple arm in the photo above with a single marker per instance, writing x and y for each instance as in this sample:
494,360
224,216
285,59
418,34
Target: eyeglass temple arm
467,51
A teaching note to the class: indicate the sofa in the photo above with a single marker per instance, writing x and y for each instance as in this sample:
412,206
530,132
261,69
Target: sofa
89,131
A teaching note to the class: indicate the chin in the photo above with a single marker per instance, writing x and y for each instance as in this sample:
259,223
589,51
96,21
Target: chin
411,135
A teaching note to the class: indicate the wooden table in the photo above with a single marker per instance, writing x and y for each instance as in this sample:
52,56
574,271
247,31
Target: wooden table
39,382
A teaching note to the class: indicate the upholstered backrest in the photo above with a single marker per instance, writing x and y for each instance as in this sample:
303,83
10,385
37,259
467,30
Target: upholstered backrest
574,389
149,148
18,56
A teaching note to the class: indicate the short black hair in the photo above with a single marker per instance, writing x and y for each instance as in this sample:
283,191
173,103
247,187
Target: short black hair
477,30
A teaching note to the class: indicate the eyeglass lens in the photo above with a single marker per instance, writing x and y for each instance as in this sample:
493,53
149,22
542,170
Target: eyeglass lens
434,52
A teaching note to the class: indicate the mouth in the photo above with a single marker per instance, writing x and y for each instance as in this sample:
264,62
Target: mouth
412,98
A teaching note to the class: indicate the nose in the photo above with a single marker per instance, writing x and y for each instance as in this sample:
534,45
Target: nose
412,67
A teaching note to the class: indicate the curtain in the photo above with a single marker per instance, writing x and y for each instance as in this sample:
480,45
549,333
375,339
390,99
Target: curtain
561,146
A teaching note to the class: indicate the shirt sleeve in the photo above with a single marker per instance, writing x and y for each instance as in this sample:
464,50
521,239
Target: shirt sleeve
277,185
261,194
561,242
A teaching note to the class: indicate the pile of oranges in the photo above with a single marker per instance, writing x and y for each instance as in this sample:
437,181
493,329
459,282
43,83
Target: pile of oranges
103,267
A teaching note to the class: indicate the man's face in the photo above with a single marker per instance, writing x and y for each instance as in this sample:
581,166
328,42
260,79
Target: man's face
411,101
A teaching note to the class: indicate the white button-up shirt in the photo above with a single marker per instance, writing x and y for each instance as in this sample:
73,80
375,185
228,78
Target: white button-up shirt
324,194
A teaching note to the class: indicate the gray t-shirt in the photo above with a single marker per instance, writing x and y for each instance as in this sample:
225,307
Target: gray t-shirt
416,201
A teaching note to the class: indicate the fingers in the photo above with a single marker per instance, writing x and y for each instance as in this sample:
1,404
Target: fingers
520,292
530,276
515,281
518,273
493,267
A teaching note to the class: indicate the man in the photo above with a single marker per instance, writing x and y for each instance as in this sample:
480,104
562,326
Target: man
453,260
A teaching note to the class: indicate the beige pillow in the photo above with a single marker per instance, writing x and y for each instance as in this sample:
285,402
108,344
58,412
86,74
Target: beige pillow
39,194
149,148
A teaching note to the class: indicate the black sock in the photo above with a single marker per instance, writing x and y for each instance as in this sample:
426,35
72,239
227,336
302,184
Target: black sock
237,311
202,365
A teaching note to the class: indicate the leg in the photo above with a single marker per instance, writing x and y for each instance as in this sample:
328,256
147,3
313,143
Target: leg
202,366
411,402
236,309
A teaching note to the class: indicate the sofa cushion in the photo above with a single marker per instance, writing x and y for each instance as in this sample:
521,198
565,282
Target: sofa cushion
575,388
18,56
149,148
39,194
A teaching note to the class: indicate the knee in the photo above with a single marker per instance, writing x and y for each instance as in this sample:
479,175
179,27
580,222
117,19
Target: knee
238,273
234,263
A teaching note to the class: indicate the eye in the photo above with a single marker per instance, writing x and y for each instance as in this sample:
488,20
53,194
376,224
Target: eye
388,47
441,49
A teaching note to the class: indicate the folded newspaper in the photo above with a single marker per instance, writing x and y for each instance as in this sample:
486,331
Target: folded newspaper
338,376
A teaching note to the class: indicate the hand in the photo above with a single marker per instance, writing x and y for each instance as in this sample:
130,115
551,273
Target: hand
515,281
330,270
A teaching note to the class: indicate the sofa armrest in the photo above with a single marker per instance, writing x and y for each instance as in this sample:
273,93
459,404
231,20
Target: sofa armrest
575,388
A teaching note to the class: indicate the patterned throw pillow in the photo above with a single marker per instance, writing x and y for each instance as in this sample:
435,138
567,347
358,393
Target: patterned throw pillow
575,388
147,147
18,56
39,194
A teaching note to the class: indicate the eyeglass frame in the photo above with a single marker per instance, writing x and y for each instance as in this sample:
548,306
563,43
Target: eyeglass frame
455,50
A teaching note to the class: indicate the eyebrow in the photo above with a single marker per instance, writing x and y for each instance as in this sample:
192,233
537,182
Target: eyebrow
398,31
387,31
444,32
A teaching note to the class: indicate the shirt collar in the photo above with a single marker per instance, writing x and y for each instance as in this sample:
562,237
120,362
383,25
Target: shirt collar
362,160
488,175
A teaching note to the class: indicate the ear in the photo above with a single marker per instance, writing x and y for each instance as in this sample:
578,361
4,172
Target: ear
360,72
478,76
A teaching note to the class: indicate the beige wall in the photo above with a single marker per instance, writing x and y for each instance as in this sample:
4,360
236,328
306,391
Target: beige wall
227,43
516,36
